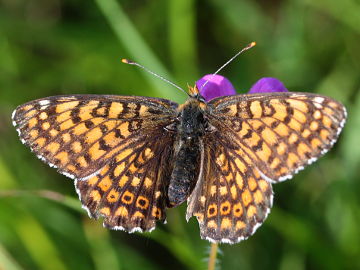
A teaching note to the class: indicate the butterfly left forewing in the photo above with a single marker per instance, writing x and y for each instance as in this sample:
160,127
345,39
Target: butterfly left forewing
280,132
79,134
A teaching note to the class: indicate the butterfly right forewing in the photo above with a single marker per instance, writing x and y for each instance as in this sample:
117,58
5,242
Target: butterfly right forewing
280,132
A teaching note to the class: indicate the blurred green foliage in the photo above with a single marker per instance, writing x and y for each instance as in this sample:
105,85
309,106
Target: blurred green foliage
51,47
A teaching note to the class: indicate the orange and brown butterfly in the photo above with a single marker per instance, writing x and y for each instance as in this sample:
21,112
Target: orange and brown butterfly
134,157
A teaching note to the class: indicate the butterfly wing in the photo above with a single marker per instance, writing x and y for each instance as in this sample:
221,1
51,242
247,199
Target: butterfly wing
130,192
231,199
280,132
257,140
110,145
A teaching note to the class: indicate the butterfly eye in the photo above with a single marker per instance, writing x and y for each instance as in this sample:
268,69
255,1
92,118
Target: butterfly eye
200,98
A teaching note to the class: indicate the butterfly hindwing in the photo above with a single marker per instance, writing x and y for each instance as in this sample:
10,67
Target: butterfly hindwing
280,132
231,200
130,192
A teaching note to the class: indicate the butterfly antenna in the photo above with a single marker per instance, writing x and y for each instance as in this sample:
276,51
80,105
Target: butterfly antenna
252,44
127,61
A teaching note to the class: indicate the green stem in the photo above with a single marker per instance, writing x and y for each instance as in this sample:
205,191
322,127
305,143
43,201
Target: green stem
212,256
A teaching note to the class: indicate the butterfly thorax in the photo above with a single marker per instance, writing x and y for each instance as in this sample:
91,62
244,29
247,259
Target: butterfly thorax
191,119
192,126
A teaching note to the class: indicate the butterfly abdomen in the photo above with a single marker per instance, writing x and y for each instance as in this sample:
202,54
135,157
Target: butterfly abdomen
190,130
186,169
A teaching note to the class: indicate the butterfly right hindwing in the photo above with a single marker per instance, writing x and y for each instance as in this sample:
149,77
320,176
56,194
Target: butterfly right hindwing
231,199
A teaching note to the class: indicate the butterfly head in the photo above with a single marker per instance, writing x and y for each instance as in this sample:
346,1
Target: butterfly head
195,94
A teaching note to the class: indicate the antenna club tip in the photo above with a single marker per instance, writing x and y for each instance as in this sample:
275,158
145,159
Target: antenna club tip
126,61
252,44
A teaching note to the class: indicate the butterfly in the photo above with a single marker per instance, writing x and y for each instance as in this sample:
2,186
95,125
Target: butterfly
133,157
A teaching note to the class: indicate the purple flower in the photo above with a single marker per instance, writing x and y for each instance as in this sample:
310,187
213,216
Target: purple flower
218,86
268,84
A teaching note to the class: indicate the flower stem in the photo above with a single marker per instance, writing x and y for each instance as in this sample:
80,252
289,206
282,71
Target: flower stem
212,256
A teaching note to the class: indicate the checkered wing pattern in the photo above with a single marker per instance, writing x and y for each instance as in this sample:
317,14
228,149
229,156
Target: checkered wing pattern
257,140
113,146
231,199
280,132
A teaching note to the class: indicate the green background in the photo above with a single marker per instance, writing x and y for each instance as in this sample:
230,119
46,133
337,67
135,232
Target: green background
51,47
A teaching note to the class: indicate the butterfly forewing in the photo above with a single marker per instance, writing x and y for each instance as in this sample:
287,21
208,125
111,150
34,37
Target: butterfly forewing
280,132
111,145
79,134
